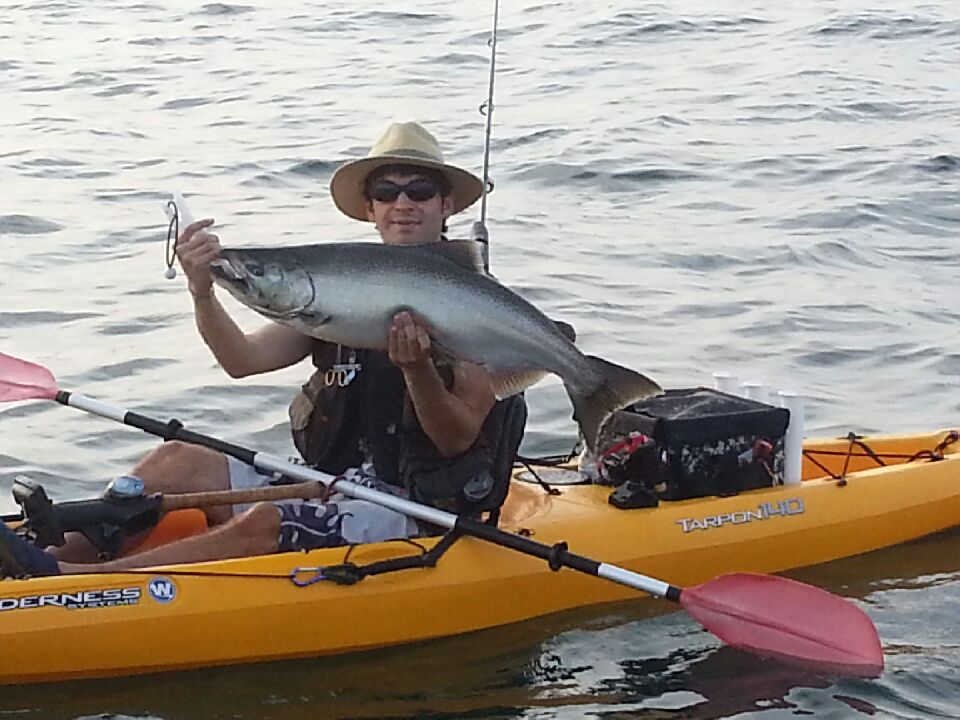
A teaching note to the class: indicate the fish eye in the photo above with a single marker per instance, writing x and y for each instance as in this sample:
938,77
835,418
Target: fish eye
254,268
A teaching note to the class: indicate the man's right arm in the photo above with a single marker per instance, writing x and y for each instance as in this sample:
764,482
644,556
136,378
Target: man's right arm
240,354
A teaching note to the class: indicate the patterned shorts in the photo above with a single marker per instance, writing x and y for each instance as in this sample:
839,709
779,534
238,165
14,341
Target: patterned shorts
342,520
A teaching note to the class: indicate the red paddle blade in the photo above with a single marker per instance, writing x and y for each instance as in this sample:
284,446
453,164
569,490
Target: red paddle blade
789,620
22,380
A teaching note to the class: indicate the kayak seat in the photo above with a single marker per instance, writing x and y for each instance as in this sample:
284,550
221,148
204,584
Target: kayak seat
174,525
509,417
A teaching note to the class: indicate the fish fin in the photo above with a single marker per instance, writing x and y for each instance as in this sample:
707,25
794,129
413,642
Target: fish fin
566,329
618,388
441,353
467,254
513,383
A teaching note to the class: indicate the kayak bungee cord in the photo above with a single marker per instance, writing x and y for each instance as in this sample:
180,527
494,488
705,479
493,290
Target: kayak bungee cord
764,614
856,441
343,573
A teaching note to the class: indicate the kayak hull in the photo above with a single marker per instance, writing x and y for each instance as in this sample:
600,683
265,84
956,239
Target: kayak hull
249,610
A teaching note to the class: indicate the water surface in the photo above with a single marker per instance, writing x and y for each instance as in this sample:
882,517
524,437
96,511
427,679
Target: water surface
764,190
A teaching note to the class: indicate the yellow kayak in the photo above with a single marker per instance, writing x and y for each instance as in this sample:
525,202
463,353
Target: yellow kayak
853,499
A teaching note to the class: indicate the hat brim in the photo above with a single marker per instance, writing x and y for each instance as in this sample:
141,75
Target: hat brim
346,185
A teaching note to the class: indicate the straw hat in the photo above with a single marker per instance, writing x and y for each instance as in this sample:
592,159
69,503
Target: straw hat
404,144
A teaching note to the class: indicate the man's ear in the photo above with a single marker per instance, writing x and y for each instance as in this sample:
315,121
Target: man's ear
447,206
370,215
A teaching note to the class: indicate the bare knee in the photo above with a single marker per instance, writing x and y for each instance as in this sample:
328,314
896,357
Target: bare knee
177,452
177,466
256,531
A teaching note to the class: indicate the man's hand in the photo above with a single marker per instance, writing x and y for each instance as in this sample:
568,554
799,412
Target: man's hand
451,417
408,344
196,249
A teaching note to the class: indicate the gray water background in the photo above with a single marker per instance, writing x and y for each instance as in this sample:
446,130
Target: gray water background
765,190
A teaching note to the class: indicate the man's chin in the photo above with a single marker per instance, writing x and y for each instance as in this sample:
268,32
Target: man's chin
408,236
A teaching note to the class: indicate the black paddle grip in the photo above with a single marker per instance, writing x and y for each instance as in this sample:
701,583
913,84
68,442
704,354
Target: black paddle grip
174,430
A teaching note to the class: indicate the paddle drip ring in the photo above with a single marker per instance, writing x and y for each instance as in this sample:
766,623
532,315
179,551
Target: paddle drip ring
556,557
173,234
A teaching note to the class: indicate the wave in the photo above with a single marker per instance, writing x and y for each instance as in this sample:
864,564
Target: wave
888,27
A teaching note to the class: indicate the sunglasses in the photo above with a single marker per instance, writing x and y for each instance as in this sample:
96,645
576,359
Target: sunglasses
419,190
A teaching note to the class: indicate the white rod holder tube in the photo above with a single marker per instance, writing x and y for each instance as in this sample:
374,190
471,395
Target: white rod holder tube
725,382
756,391
793,440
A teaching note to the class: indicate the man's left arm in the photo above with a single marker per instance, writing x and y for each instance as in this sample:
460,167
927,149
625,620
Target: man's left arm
451,418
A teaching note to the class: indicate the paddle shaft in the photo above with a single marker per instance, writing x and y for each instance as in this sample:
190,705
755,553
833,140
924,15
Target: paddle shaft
556,555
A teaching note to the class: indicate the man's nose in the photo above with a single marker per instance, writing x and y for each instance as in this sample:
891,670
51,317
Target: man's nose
403,201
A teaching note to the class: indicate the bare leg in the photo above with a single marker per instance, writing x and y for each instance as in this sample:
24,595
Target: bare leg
169,468
176,467
255,532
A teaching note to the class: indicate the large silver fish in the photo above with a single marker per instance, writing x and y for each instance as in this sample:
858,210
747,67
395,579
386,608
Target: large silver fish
348,293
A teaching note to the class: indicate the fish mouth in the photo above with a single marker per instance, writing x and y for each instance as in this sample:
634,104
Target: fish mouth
223,270
237,281
225,274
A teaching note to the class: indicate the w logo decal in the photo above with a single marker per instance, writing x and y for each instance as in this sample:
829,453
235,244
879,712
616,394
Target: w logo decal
162,590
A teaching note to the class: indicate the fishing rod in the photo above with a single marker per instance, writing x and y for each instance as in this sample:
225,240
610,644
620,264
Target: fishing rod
480,232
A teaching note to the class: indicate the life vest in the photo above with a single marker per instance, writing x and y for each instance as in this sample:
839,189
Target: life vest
355,406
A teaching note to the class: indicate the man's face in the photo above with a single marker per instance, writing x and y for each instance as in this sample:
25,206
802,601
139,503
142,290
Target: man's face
403,220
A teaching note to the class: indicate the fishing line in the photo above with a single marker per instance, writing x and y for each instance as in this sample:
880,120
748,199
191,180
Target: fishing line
486,109
480,232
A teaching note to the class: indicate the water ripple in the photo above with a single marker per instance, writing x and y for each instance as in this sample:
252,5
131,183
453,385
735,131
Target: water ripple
43,317
27,225
940,163
882,27
217,9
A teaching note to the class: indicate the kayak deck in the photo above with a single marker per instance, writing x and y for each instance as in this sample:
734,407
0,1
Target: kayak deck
248,609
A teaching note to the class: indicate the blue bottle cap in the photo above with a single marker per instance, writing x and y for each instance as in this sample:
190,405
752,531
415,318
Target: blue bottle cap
125,486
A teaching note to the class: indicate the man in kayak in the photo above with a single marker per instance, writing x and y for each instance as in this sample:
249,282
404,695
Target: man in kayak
434,432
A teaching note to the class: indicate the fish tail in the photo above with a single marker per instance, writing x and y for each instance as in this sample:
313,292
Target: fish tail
618,387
